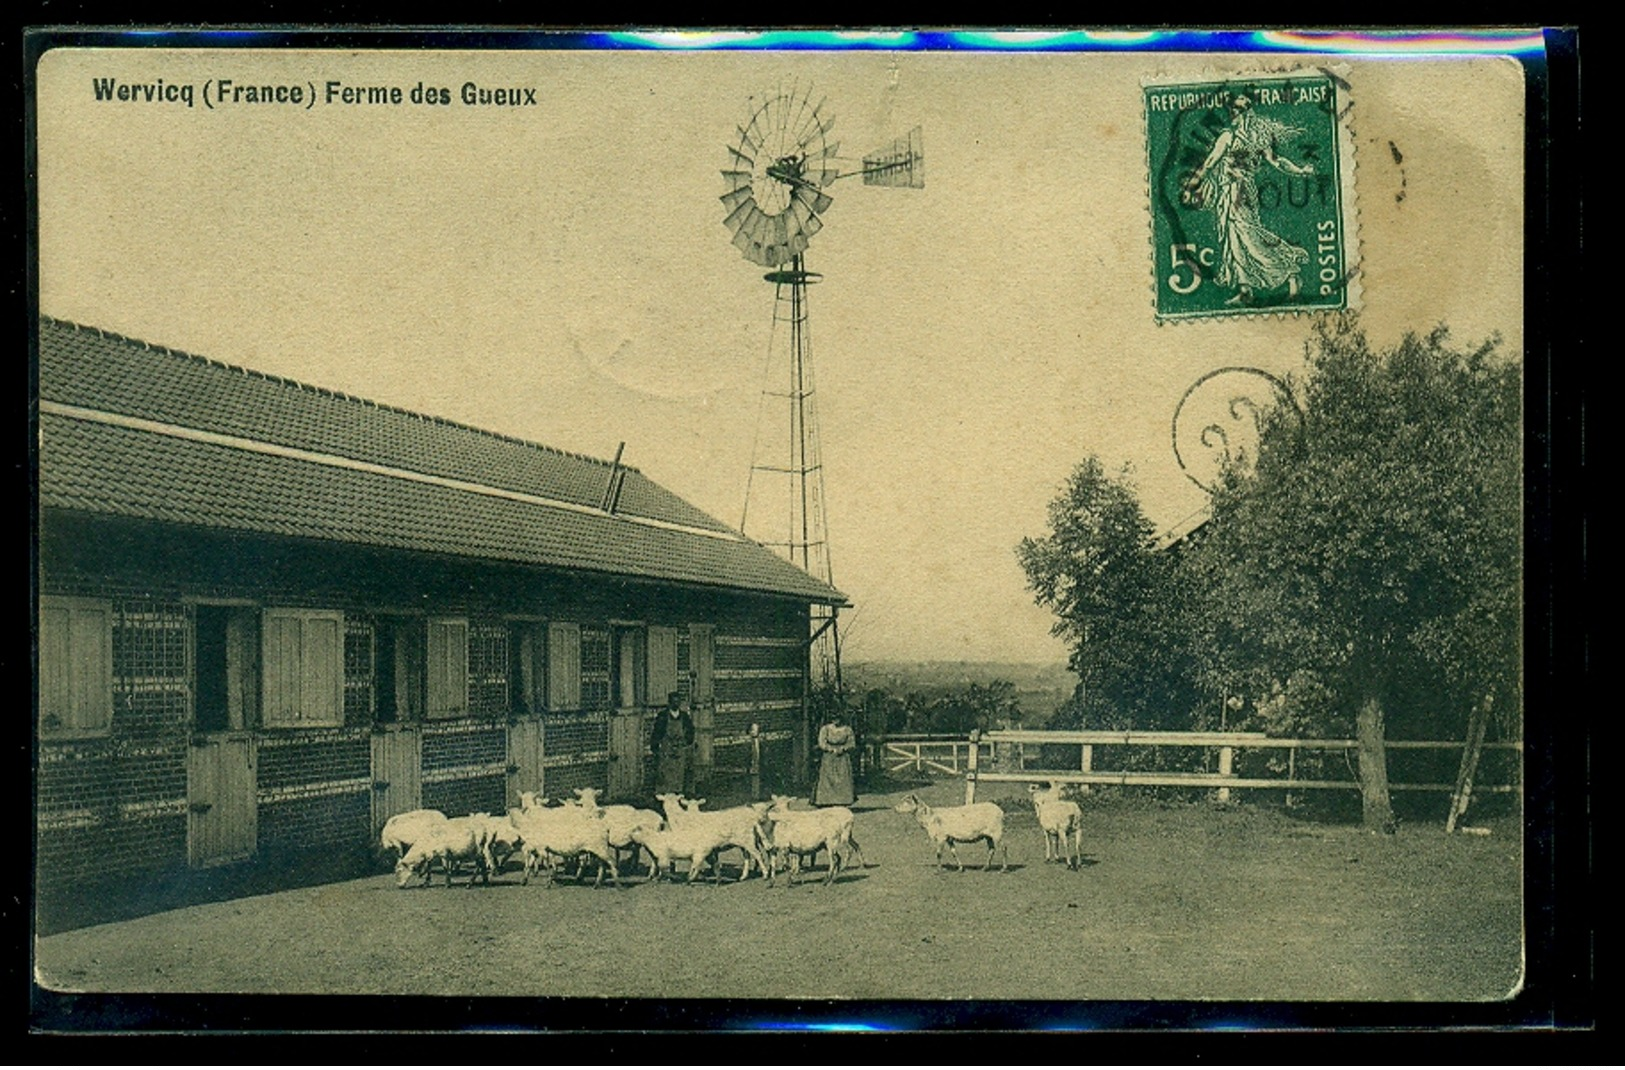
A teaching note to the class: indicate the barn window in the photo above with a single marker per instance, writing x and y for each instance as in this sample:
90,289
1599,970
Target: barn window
527,667
223,668
448,667
75,666
398,668
303,667
628,658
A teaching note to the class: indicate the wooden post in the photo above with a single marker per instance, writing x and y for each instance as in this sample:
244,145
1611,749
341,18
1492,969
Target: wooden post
1463,795
1086,764
755,761
970,766
1227,756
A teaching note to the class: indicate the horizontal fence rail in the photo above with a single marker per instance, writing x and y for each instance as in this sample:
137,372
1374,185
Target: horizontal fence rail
994,744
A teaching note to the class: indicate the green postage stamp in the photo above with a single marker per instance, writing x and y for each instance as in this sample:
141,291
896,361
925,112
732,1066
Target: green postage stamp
1251,183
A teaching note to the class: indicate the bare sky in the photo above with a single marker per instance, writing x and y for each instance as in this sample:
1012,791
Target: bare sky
560,271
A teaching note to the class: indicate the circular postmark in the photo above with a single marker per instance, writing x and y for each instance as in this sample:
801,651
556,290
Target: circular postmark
1220,419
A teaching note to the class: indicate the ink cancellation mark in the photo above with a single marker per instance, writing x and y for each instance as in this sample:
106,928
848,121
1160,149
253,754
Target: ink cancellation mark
1249,207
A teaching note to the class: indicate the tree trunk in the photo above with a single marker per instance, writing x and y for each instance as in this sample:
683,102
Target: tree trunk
1368,724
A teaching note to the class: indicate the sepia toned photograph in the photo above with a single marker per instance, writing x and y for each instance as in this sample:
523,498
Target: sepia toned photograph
666,521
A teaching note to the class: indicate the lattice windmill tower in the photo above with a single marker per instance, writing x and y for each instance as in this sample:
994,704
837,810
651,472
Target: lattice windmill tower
780,169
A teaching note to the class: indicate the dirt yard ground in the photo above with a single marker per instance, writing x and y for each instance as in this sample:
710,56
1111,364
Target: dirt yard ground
1175,901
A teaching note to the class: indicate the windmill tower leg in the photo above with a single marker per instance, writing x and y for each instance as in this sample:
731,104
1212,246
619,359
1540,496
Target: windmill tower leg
784,499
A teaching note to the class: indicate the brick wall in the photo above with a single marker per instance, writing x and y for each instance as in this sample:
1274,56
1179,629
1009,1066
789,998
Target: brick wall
117,803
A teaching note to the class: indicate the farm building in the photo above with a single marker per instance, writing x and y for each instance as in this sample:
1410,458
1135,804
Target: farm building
272,615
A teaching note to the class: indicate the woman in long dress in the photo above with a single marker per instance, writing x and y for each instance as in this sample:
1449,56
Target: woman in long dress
836,742
1251,256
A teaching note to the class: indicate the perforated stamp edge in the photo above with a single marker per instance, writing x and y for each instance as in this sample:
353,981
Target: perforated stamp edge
1348,203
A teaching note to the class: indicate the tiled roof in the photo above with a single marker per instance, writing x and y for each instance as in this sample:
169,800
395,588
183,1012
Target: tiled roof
139,431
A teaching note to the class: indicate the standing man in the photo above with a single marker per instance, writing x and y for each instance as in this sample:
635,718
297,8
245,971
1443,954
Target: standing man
673,743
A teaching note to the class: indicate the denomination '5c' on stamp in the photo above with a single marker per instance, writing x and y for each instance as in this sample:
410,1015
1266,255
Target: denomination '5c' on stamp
1251,195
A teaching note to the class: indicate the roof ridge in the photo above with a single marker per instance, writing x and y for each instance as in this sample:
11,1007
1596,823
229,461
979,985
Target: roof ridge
323,391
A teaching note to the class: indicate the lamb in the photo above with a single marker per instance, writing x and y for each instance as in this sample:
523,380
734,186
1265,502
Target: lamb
565,831
694,842
950,825
1059,818
403,830
741,826
806,832
460,839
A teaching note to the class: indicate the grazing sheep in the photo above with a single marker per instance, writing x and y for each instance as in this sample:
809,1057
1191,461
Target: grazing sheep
403,830
564,831
459,839
697,843
843,816
741,826
950,825
806,832
1059,818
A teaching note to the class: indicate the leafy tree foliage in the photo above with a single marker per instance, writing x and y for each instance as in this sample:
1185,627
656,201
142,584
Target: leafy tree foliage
1363,577
1114,601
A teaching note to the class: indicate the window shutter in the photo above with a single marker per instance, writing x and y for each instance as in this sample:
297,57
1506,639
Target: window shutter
702,659
448,668
303,667
92,645
75,665
662,665
281,668
321,655
564,666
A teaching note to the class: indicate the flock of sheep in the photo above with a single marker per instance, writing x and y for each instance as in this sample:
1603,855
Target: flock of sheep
773,838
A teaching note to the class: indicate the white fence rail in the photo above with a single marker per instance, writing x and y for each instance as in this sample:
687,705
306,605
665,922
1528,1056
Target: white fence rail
1013,742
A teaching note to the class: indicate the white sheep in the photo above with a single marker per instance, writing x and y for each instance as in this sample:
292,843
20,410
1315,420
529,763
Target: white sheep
782,804
1059,818
695,842
564,831
403,830
798,833
741,826
458,839
505,839
950,825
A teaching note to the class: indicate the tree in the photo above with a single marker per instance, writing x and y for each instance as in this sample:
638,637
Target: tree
1372,557
1112,593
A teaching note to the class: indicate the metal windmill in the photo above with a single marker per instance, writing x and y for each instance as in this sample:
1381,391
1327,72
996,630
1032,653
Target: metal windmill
780,169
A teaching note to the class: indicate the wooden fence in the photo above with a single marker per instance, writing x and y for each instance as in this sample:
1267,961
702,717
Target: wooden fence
928,753
1008,749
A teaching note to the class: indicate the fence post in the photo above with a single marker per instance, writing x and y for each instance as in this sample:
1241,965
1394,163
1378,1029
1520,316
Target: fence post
1227,756
755,761
970,765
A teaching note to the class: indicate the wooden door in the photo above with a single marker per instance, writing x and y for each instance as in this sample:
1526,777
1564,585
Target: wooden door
524,758
626,754
397,772
222,823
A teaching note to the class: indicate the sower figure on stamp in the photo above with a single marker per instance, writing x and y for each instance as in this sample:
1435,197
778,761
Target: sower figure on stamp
1251,256
835,745
672,741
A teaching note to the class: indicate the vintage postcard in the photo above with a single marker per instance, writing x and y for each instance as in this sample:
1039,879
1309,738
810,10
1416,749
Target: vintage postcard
884,524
